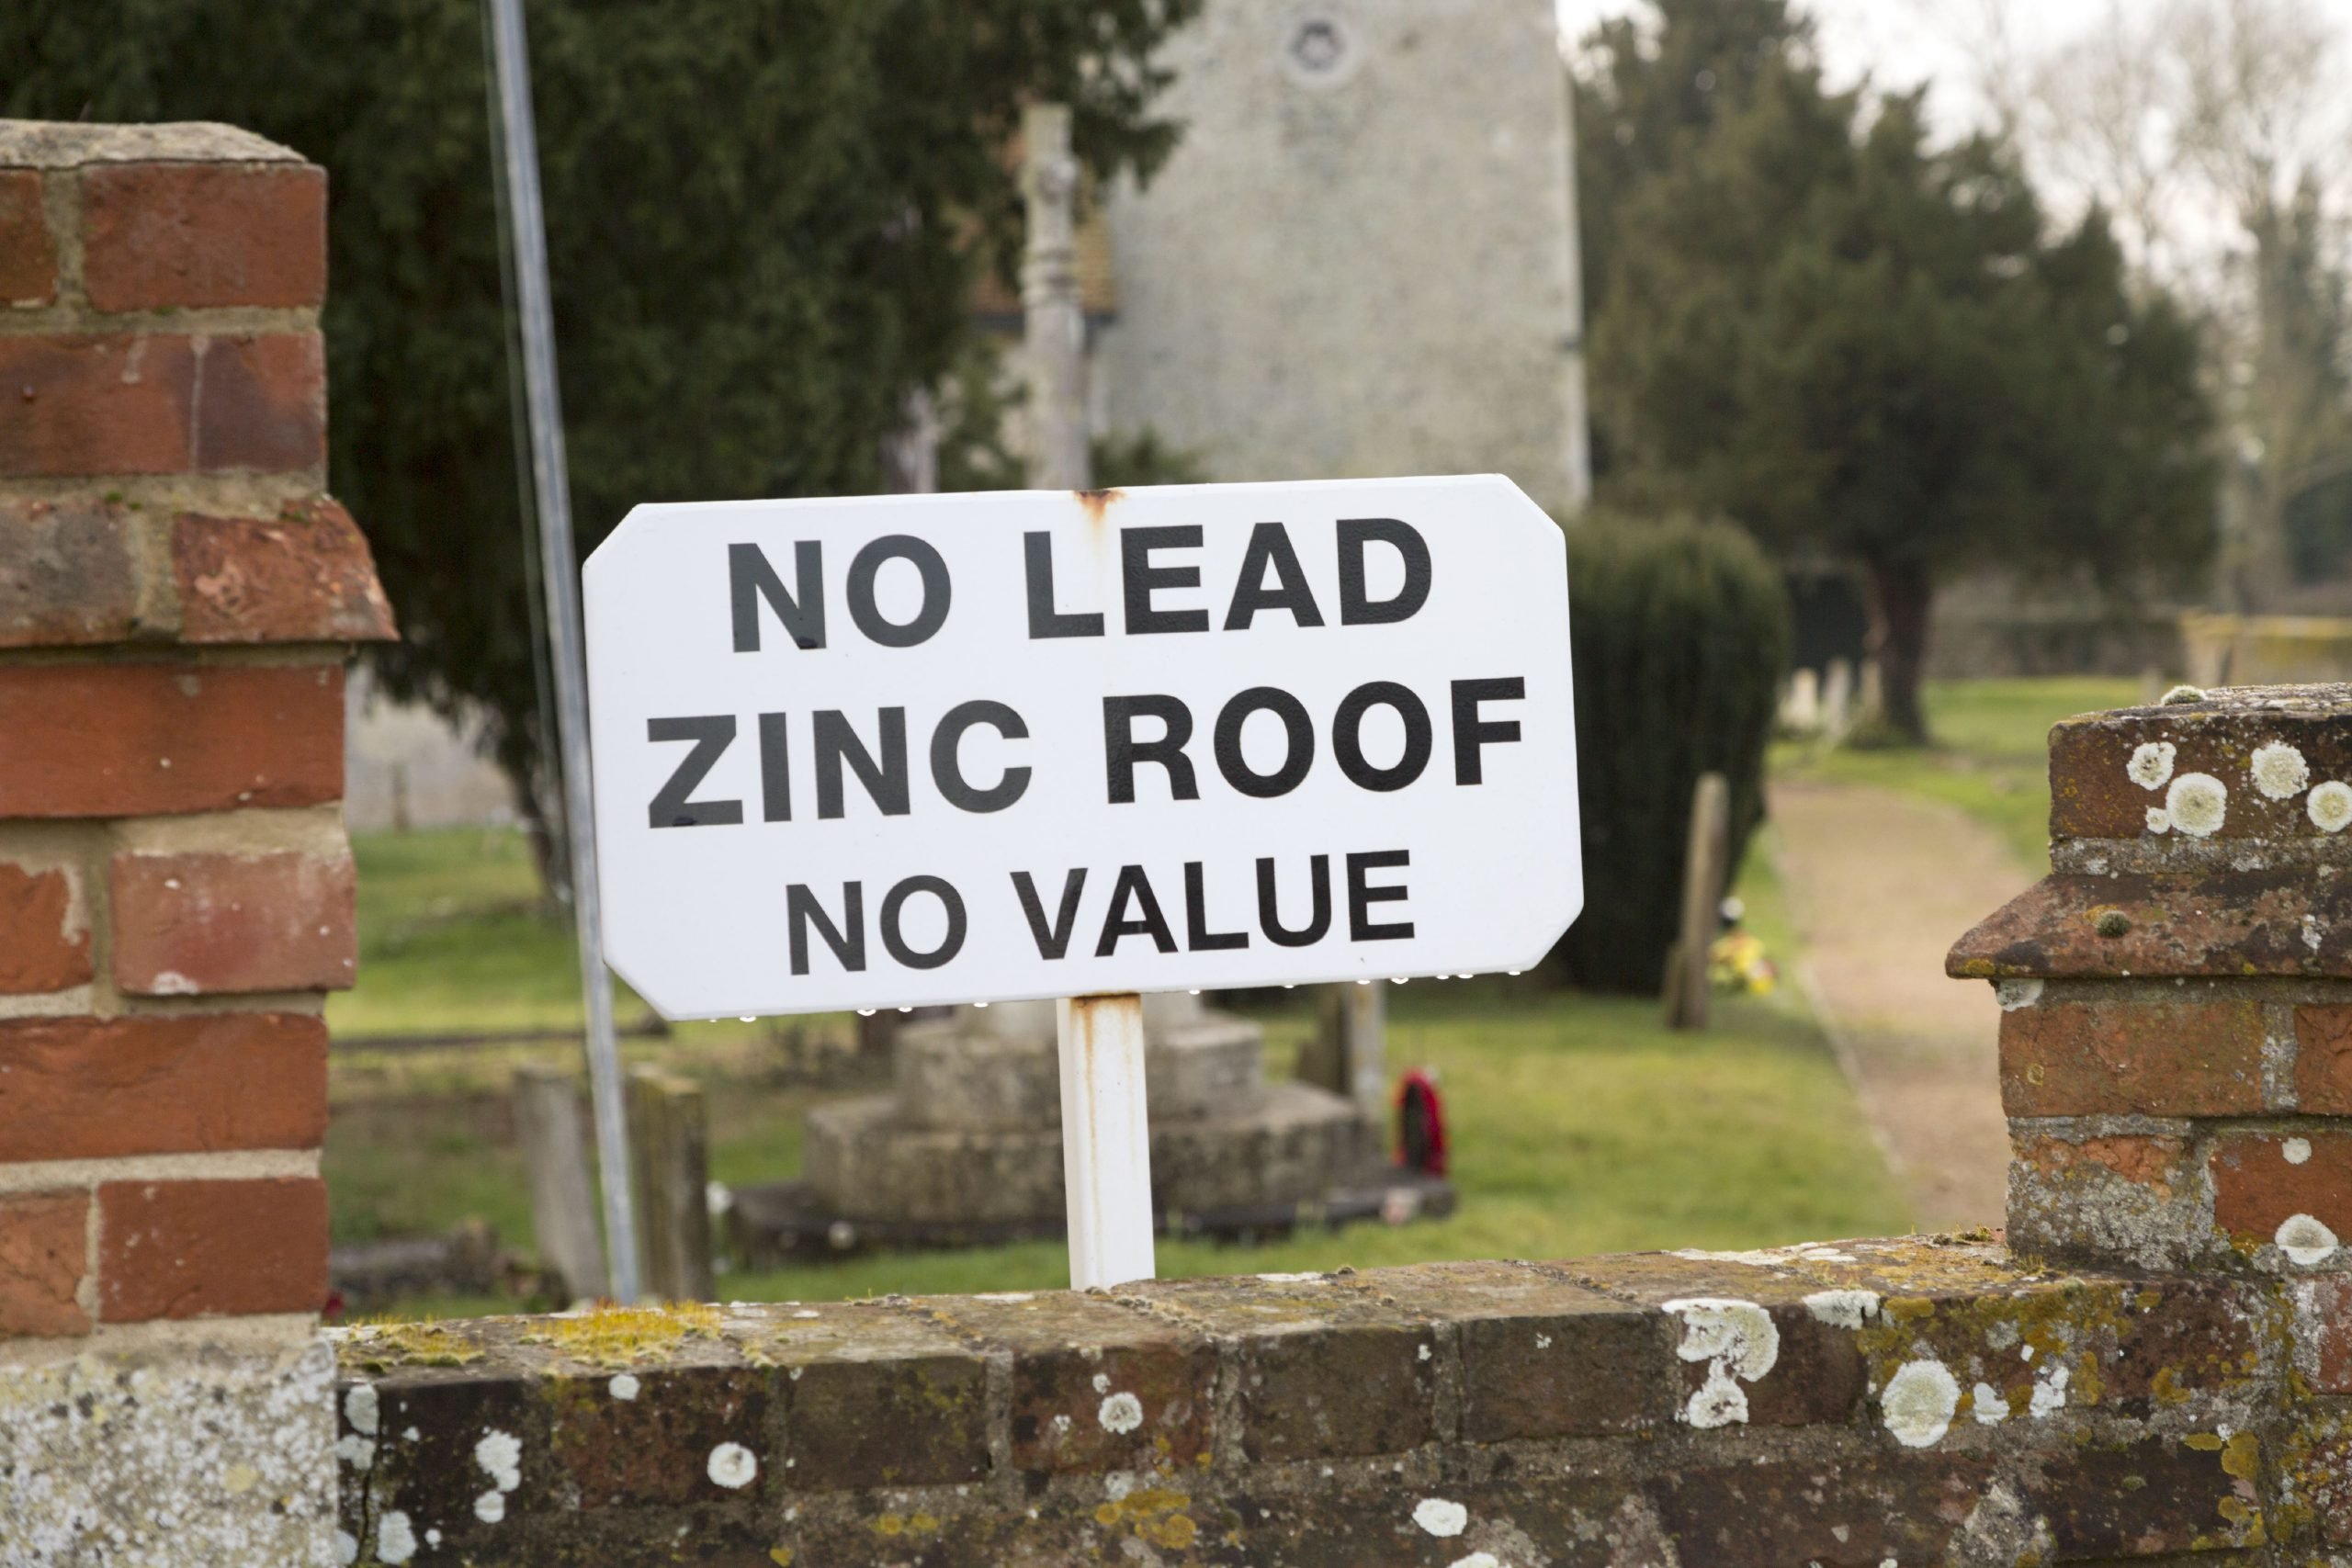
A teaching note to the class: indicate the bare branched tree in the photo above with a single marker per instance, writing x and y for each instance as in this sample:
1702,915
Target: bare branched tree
2104,114
2214,134
2262,111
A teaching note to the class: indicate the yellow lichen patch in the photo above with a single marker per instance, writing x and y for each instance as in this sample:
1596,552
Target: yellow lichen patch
911,1524
2247,1519
2166,1389
614,1335
381,1343
1157,1513
1173,1531
2087,1384
2006,1338
2204,1442
781,1556
2242,1457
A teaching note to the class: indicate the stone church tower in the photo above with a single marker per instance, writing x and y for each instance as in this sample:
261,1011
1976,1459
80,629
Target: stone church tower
1362,259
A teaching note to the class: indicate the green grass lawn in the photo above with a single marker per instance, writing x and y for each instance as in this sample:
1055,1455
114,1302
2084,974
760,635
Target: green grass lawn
1991,752
1577,1124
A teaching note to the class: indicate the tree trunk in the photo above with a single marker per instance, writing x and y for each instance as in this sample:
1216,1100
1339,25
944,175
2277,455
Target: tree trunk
543,829
1901,599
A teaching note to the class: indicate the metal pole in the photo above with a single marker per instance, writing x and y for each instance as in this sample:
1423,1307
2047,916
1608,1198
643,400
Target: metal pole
1053,315
560,577
1106,1132
1106,1140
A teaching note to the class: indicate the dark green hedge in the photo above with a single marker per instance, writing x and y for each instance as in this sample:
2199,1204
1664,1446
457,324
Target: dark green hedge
1679,632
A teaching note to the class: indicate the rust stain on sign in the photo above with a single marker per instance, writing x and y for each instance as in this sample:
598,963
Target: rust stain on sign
1097,501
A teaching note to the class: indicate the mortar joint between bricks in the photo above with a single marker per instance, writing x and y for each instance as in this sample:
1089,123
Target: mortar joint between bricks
61,207
1004,1482
1448,1394
1160,1310
62,320
2279,1050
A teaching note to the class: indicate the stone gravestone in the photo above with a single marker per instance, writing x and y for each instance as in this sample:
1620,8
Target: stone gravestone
1801,708
971,1134
1837,701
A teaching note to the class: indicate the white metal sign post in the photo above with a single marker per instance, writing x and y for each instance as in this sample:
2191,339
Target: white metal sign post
901,750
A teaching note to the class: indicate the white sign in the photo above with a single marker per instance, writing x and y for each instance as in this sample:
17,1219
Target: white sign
906,749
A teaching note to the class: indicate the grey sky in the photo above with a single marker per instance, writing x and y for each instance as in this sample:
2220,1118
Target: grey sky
1900,43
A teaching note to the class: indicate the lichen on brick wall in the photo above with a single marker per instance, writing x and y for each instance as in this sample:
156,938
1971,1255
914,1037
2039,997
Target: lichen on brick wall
178,1457
1926,1401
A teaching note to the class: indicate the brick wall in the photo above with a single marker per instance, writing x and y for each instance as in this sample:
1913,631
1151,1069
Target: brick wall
2155,1369
177,599
2176,1038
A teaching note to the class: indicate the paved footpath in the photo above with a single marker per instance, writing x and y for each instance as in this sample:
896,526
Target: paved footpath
1880,885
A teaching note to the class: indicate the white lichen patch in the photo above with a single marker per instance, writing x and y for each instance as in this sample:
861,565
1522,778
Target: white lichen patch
1718,1402
2049,1390
500,1454
2151,763
2015,994
623,1386
2001,1333
1918,1403
490,1507
1122,1412
2278,771
227,1458
1476,1560
1290,1278
2330,806
1118,1484
355,1450
1843,1309
1102,1382
1440,1517
2297,1150
1740,1334
2306,1242
2159,819
361,1409
1738,1340
395,1540
1987,1406
347,1549
2197,804
1767,1257
732,1466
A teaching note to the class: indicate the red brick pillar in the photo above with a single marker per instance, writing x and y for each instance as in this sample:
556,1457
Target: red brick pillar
177,599
2177,1033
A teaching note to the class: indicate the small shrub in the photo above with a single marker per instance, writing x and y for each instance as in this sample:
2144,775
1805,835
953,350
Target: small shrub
1679,631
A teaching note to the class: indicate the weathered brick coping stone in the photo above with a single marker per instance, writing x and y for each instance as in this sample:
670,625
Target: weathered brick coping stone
1919,1401
2202,836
